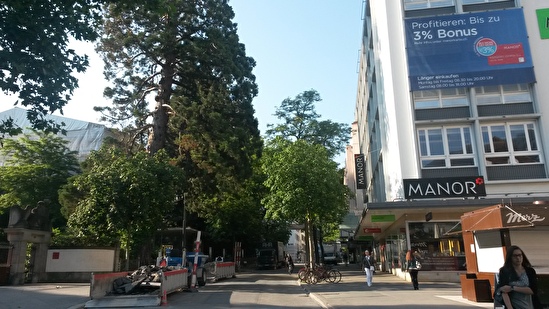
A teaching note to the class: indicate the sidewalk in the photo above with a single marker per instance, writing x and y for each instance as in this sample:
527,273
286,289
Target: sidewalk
387,292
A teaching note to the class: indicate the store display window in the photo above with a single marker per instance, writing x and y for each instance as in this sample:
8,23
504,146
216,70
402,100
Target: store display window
440,250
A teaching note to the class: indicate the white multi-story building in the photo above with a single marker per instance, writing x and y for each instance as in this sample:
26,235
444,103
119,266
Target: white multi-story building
452,116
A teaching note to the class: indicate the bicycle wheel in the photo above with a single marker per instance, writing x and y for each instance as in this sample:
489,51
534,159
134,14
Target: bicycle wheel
302,273
334,276
311,277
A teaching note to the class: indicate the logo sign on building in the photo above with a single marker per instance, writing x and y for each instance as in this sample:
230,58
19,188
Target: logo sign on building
468,50
543,23
525,216
444,187
360,171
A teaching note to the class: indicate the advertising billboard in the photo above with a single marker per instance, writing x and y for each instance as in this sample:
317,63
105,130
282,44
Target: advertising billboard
468,50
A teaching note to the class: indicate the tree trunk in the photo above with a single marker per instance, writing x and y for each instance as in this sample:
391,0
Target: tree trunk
310,244
163,109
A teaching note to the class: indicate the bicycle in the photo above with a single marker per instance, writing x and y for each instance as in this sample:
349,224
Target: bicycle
330,275
319,273
302,272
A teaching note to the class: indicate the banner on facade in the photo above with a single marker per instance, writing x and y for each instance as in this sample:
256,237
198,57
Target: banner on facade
468,50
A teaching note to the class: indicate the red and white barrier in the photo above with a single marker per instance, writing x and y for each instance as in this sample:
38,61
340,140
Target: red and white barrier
172,281
102,285
224,270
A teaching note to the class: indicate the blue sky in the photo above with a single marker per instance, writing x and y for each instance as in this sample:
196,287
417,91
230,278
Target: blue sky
298,45
301,45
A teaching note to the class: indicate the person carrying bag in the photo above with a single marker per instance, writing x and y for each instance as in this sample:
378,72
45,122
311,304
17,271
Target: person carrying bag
414,265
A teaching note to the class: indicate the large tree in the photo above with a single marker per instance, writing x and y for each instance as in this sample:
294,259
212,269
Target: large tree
36,63
184,58
37,166
304,184
301,128
300,121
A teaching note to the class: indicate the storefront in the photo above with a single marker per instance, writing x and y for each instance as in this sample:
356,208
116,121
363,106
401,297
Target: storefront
429,221
428,226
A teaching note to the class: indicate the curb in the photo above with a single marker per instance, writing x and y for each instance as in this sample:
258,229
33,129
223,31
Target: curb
317,298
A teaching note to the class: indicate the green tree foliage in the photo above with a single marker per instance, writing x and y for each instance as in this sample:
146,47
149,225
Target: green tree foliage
304,183
241,217
186,56
35,61
301,122
36,167
124,197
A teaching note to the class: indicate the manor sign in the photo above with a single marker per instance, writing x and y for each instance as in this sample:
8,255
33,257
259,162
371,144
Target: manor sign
444,187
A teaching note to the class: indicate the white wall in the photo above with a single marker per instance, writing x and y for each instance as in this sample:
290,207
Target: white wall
80,260
395,108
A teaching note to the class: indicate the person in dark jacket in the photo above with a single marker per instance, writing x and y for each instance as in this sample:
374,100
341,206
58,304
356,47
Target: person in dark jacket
413,266
290,263
517,281
368,264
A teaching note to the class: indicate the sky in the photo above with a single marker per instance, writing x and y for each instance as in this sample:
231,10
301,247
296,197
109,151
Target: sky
298,45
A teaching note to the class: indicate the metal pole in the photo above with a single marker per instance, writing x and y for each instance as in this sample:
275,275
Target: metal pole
184,223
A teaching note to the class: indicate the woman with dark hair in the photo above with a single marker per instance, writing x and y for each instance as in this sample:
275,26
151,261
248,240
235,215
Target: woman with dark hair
517,281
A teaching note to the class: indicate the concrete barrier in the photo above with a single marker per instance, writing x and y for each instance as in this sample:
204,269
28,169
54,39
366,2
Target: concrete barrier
224,270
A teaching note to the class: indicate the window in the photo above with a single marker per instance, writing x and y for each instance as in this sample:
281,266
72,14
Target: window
515,93
440,249
510,143
446,147
479,1
426,4
440,98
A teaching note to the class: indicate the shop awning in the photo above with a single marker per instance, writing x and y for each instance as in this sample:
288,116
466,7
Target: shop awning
505,216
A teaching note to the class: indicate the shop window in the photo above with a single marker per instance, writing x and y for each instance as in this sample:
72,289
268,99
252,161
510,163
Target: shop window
510,144
446,147
439,248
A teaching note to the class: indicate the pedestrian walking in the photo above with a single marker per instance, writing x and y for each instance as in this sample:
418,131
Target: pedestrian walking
290,263
413,265
368,263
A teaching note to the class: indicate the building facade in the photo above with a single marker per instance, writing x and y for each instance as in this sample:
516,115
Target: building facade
452,115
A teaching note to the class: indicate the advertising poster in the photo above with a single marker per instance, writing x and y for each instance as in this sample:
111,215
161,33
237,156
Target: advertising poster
468,50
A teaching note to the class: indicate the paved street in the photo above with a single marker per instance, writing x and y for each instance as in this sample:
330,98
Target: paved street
267,289
387,292
50,296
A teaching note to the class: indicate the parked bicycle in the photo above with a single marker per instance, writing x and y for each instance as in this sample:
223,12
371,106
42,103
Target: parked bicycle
319,273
